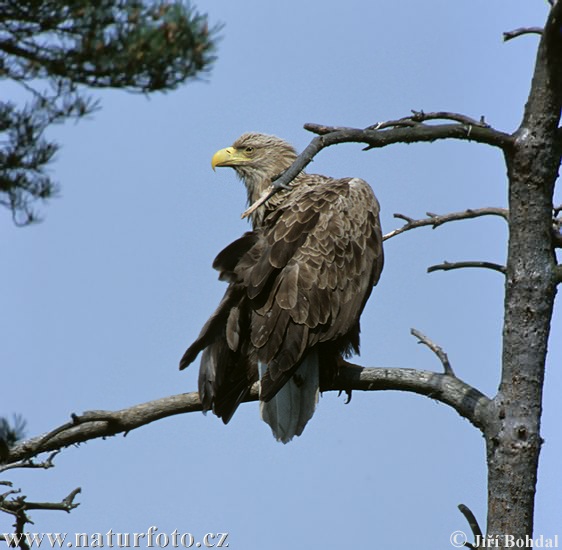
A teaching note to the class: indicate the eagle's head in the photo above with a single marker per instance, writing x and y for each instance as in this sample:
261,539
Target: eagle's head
257,159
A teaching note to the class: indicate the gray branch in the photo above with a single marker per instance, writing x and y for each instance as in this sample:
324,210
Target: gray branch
19,506
447,266
473,523
509,35
435,220
442,356
466,400
45,465
411,129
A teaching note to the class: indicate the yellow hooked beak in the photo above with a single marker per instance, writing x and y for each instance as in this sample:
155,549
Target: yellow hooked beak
228,157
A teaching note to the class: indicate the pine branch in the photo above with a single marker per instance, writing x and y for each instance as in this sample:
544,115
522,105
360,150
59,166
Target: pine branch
54,50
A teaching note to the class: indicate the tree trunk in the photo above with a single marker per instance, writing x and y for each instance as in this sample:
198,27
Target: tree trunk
513,433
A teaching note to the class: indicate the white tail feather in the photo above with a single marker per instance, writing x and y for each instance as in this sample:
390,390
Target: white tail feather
293,406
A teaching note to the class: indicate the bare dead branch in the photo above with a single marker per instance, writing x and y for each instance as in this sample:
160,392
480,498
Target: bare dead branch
46,464
509,35
435,220
414,119
447,266
473,523
421,116
18,507
466,400
65,505
442,356
410,129
10,492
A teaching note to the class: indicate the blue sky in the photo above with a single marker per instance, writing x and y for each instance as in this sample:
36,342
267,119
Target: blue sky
101,299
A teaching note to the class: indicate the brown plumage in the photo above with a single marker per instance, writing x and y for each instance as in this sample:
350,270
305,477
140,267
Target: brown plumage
297,286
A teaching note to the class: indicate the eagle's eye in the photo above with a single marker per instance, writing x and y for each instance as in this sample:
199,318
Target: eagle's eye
249,149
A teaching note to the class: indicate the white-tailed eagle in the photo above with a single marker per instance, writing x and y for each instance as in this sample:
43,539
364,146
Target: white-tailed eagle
298,283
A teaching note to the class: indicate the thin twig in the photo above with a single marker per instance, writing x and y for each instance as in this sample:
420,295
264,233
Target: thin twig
418,117
509,35
46,464
65,505
18,507
5,495
473,523
19,504
438,350
435,220
447,266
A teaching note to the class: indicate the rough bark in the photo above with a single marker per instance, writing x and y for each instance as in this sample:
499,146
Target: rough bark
513,432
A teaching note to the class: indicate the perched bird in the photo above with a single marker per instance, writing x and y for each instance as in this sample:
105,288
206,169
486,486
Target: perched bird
298,283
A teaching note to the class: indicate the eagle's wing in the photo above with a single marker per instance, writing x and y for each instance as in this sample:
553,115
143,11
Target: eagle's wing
227,369
310,272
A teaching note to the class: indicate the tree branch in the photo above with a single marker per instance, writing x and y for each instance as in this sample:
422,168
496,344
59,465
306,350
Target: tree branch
509,35
442,356
65,505
30,464
466,400
18,507
435,220
447,266
411,129
473,523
